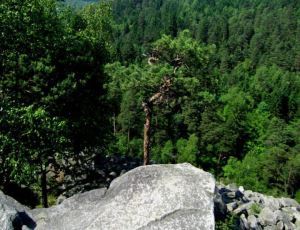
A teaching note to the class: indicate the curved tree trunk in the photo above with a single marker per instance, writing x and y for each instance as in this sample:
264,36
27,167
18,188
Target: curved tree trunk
158,98
147,133
161,97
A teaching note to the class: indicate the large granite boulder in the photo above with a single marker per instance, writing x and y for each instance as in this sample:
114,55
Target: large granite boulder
13,215
148,197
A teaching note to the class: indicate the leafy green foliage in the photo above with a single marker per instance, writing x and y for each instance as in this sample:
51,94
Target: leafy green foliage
129,86
273,167
237,93
248,171
297,196
230,223
51,85
255,209
187,149
32,140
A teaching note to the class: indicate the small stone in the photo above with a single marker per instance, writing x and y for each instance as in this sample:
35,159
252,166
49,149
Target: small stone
269,227
243,208
248,193
239,195
26,228
82,177
50,174
288,202
289,213
60,199
271,202
72,161
231,206
230,195
245,199
289,226
267,216
100,172
232,187
256,197
113,174
279,215
253,222
241,189
227,197
280,225
243,222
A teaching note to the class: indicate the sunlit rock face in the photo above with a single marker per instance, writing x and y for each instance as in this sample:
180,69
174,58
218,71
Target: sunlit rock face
148,197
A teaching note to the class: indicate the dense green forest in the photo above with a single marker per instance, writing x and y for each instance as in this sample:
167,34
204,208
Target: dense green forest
73,81
235,109
78,3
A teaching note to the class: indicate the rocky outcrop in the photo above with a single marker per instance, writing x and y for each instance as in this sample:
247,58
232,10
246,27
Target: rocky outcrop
81,175
156,197
148,197
257,211
14,215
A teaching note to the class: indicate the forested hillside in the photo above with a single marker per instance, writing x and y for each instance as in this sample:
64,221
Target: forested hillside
78,3
266,32
219,82
235,110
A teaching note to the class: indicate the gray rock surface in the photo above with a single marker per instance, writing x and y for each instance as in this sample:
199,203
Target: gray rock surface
156,197
257,211
243,208
8,217
151,197
267,217
243,222
231,206
280,225
13,215
252,221
220,208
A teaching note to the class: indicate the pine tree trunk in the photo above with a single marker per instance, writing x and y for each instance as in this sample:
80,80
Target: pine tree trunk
44,188
158,98
147,130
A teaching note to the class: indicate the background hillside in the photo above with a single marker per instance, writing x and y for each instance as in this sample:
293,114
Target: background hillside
264,32
239,116
79,3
